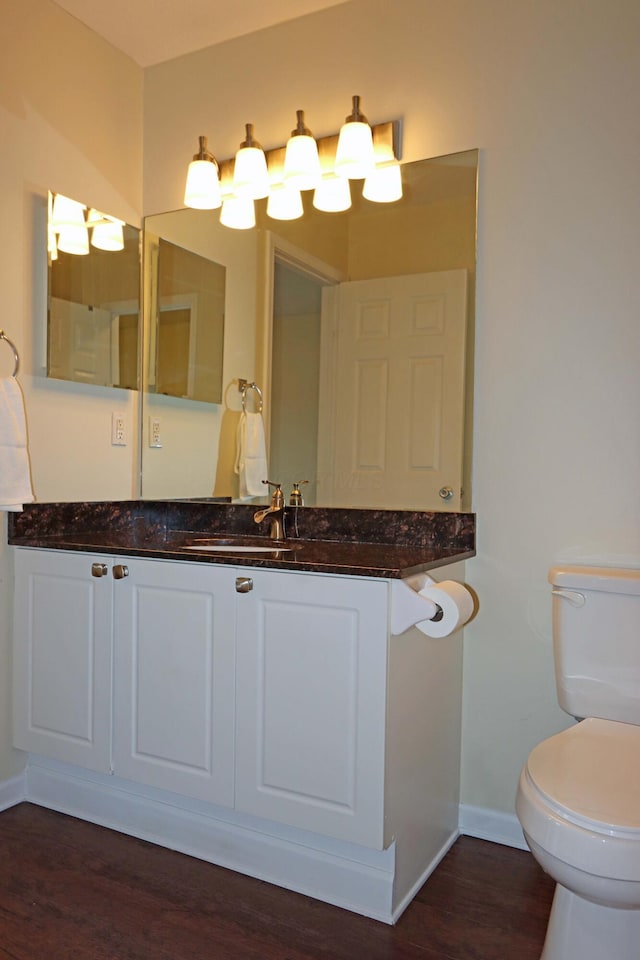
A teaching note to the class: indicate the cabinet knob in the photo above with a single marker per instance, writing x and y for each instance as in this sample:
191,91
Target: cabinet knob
120,571
446,493
244,584
99,570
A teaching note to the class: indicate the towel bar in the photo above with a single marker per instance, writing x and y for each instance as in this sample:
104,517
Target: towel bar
243,386
16,358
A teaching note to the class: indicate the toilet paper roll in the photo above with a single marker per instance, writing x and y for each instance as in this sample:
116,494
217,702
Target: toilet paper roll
456,604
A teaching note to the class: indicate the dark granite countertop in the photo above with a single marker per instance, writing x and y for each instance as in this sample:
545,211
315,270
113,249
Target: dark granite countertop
368,543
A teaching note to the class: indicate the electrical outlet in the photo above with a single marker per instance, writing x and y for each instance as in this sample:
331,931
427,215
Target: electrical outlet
155,439
118,430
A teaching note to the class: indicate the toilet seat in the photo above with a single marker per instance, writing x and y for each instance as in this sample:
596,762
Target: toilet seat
591,774
579,797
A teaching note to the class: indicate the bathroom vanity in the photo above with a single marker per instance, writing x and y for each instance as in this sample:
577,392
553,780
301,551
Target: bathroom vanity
252,709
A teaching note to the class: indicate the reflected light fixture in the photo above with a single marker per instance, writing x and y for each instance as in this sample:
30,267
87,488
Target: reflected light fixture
355,158
239,213
106,232
333,194
68,222
250,176
284,203
384,183
302,163
202,189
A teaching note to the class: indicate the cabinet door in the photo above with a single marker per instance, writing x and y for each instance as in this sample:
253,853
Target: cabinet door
173,677
62,656
311,703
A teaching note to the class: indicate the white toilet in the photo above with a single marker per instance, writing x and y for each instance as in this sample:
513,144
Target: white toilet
578,798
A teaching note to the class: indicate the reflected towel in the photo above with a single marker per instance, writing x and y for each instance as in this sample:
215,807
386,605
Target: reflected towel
15,478
251,456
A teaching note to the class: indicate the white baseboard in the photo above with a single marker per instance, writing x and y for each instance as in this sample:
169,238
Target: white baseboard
327,870
491,825
13,791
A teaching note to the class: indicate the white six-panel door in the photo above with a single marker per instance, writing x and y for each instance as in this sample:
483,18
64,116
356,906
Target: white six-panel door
392,402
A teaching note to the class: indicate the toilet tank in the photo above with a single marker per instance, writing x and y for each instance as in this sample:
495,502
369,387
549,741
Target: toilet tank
596,640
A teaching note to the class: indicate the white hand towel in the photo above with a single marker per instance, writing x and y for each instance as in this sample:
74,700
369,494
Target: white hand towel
15,477
251,456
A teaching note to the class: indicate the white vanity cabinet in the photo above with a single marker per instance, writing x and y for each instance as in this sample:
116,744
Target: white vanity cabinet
266,720
311,703
160,638
174,655
62,657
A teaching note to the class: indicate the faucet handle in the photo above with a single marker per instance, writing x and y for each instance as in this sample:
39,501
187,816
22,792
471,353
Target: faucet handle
296,499
277,497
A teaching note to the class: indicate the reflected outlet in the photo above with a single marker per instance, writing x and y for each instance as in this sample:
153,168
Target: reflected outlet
155,439
118,430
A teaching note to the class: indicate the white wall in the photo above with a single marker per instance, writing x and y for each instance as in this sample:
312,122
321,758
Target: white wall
548,92
70,121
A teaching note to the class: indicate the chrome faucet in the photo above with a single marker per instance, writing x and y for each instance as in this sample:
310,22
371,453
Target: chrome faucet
275,512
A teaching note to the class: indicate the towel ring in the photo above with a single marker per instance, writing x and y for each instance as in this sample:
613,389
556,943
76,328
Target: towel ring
243,386
16,358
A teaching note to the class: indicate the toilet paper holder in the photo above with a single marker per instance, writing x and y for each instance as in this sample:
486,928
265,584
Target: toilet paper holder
410,607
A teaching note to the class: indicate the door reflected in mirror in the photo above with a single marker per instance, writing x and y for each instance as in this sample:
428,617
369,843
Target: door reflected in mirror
93,323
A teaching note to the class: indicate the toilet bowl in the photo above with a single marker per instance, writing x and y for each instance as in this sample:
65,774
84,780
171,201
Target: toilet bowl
578,803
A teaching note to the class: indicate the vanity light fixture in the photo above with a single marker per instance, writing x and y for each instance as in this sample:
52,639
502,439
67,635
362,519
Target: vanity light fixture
250,175
302,163
355,157
202,190
324,165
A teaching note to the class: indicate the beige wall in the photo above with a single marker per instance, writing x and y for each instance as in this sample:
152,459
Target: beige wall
71,121
544,90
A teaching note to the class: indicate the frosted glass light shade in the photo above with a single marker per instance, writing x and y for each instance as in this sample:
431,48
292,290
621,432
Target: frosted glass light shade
66,213
332,195
284,203
107,231
74,239
354,156
202,189
301,163
238,213
250,175
384,184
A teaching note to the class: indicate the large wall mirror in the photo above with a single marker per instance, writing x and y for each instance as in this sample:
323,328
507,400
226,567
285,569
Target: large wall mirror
93,315
357,327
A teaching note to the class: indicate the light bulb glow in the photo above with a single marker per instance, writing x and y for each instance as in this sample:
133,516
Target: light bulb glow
301,163
384,184
354,156
202,189
332,195
238,213
107,231
285,203
66,213
250,175
74,239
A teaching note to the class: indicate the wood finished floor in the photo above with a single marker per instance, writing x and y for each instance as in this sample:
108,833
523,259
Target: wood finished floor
70,889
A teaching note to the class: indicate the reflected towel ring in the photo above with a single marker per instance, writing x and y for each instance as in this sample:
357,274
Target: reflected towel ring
16,358
243,386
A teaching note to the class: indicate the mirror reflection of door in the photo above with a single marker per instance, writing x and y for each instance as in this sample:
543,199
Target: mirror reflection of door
391,420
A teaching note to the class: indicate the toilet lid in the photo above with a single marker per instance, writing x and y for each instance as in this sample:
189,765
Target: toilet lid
592,773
